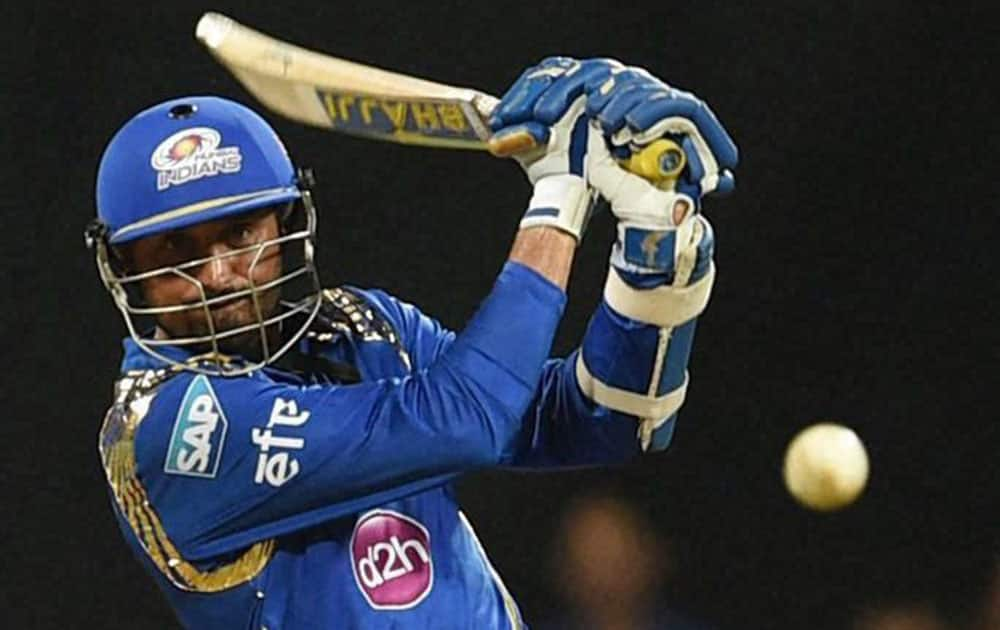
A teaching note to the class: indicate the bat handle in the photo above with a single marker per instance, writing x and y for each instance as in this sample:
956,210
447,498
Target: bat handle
510,144
660,162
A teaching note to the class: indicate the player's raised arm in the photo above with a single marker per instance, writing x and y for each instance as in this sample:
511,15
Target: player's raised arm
620,392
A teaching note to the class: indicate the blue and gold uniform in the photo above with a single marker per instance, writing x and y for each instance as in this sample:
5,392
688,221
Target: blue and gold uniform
302,499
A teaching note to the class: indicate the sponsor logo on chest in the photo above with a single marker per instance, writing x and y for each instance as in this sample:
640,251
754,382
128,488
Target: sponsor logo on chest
391,559
199,433
276,464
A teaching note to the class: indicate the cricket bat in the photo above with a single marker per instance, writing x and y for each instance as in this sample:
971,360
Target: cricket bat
348,97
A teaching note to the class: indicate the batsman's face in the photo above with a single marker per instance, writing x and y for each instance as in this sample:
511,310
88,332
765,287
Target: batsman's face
223,273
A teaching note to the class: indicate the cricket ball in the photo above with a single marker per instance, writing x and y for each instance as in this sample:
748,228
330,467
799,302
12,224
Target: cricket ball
826,467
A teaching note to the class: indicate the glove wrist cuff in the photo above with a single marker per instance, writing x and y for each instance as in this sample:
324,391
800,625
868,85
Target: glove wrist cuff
559,201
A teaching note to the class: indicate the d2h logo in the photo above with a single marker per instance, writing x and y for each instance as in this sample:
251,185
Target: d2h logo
391,559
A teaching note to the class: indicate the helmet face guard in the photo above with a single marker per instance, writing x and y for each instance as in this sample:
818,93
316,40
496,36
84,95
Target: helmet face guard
207,349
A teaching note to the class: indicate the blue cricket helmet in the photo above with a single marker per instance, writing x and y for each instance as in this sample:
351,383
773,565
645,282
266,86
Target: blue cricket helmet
186,161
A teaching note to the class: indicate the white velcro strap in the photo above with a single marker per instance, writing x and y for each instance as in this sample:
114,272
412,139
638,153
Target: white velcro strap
559,201
664,306
687,256
628,402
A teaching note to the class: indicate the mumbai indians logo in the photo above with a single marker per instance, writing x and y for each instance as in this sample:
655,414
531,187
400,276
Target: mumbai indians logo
192,154
199,433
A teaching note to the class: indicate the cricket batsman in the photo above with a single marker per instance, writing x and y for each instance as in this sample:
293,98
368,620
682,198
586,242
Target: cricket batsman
282,456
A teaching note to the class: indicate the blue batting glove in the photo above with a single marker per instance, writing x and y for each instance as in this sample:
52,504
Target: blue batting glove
547,101
656,222
633,108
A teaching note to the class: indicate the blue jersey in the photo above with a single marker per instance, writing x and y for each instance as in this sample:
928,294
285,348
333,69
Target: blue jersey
319,494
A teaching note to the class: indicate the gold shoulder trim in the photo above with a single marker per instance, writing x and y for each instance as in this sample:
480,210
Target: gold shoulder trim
133,394
358,318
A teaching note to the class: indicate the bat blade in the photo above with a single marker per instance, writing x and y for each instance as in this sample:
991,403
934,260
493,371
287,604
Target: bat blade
345,96
354,98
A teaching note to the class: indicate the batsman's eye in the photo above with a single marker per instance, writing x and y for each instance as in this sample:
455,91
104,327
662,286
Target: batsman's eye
243,234
174,242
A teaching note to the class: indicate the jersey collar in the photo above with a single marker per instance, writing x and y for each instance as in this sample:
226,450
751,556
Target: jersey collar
135,358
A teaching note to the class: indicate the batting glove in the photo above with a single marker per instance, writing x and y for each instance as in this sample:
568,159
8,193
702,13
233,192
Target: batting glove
548,102
631,109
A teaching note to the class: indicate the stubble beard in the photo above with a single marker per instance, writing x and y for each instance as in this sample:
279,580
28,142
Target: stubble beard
249,344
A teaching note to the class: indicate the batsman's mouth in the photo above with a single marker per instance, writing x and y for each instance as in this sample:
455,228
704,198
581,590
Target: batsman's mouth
231,306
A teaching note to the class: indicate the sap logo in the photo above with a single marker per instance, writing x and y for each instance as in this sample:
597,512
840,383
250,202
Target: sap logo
391,559
199,433
278,468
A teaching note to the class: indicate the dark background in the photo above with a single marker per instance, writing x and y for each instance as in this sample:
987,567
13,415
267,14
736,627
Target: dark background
855,284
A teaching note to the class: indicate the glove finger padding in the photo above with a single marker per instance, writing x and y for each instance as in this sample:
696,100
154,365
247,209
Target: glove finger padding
653,118
542,92
634,108
553,102
691,119
518,103
601,93
613,117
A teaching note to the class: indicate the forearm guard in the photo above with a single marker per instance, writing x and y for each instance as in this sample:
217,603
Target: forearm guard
635,353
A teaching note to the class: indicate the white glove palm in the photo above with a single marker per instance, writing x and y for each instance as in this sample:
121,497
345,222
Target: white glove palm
653,224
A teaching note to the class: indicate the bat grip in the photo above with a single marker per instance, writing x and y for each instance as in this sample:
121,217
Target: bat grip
660,162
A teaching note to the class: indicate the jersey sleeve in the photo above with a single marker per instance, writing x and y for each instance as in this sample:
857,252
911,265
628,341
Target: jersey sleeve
619,393
560,428
229,461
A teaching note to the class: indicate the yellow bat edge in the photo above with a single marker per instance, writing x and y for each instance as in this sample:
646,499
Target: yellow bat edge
325,91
